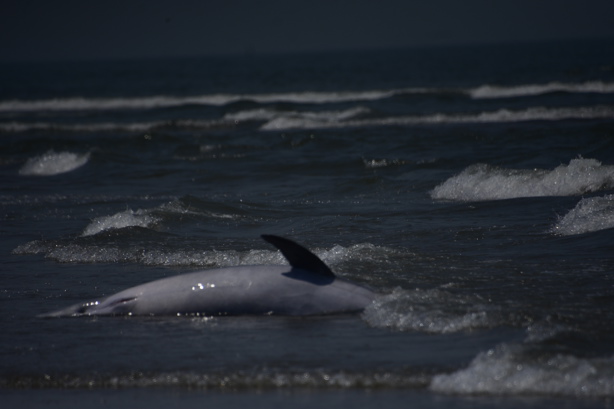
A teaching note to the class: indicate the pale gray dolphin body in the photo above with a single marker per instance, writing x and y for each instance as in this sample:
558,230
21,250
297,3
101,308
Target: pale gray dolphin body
306,287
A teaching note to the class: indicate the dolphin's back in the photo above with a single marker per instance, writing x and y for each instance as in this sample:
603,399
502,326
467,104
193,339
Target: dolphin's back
306,287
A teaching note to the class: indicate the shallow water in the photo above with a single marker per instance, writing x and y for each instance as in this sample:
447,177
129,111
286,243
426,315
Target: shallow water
476,201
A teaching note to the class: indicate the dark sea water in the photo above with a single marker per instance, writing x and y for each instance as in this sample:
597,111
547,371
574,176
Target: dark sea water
471,187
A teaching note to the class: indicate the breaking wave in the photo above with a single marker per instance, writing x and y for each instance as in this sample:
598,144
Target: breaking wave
356,117
501,371
515,370
485,182
301,97
110,251
432,311
384,163
494,91
499,116
163,101
53,163
81,252
149,218
112,239
127,218
239,380
17,127
590,214
273,119
274,116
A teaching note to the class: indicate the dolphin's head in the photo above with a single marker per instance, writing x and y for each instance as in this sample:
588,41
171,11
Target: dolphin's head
109,306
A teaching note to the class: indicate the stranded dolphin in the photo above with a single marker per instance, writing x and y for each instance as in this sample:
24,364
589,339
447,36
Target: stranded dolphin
306,287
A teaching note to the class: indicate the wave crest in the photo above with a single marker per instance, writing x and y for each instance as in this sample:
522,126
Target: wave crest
431,311
83,252
298,97
513,370
53,163
247,379
484,182
590,214
493,91
356,117
169,101
127,218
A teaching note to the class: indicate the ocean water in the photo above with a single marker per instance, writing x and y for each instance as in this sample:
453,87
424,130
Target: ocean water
471,187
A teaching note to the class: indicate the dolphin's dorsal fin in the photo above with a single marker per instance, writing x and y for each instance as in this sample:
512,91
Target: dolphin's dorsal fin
298,256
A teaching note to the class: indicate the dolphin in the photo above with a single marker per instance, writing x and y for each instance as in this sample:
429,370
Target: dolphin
306,287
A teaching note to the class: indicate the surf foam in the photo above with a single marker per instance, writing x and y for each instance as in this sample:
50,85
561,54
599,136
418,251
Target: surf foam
78,252
306,120
484,182
498,116
276,120
168,101
590,214
148,218
299,97
431,311
525,90
513,370
53,163
127,218
258,379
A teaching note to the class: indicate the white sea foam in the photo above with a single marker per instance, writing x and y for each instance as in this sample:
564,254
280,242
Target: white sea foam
309,97
127,218
266,114
590,214
102,104
276,120
74,252
78,251
364,254
537,114
509,370
301,97
261,114
146,218
257,379
296,119
75,127
383,163
499,116
431,311
163,101
484,182
542,331
16,127
53,163
528,114
523,90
